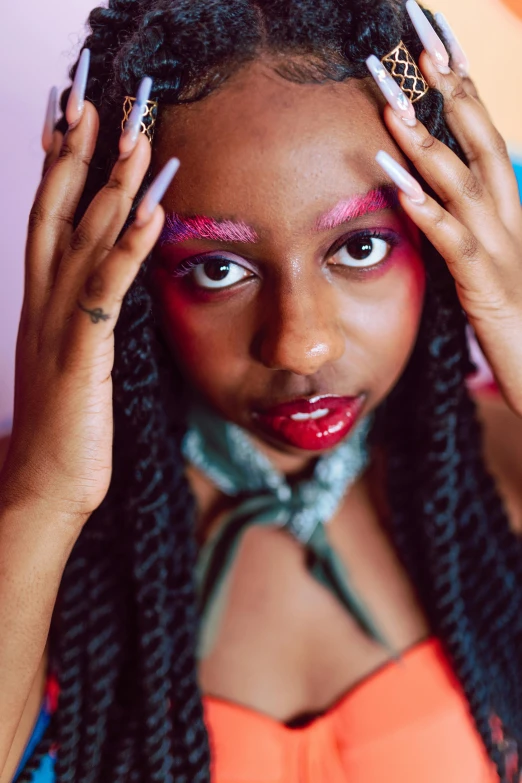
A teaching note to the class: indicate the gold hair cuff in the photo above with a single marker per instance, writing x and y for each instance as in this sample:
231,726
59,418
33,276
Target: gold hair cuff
405,71
148,120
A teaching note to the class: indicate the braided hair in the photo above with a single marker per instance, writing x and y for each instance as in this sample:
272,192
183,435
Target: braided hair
124,629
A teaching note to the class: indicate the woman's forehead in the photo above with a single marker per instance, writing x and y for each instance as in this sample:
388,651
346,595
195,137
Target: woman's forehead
262,140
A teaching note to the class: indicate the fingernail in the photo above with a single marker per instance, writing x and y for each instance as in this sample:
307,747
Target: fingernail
397,99
402,178
429,38
50,120
156,191
130,133
459,61
76,101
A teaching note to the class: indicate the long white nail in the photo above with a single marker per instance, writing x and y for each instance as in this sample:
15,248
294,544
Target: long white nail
156,191
397,99
402,178
429,38
75,104
459,61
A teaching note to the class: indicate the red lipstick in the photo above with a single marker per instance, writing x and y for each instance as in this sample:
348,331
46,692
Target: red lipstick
312,424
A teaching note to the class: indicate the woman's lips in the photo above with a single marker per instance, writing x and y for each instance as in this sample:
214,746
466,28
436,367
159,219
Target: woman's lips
312,424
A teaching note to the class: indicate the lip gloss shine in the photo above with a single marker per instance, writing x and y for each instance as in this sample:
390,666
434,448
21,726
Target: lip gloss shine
312,424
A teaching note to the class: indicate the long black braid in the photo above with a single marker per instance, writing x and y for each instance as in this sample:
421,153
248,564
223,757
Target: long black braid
124,630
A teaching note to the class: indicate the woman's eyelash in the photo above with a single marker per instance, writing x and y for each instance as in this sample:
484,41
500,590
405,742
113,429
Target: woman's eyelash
375,233
188,264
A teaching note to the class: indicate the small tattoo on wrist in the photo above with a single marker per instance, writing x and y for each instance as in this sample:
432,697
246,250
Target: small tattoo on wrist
96,315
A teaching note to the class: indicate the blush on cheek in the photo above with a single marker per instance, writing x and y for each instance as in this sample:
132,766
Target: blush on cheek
178,315
385,323
208,346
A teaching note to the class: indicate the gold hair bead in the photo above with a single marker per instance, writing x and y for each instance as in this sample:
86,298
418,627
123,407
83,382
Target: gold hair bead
406,73
148,121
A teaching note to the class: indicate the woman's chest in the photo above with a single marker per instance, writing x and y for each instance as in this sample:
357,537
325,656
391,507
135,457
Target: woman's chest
284,645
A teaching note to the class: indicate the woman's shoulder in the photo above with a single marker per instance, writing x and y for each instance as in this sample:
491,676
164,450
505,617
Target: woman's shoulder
503,450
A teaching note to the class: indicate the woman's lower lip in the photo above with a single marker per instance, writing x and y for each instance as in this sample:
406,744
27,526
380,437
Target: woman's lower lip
314,434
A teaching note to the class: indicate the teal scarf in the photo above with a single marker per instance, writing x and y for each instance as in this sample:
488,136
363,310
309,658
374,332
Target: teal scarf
226,455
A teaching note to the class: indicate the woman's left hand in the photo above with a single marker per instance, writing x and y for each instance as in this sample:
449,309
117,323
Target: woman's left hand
477,227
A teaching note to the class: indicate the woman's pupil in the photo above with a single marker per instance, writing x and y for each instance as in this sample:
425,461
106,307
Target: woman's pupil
360,248
217,270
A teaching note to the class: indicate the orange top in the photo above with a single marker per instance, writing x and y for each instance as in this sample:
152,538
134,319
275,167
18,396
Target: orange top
406,723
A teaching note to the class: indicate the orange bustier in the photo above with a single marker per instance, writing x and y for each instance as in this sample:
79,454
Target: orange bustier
407,723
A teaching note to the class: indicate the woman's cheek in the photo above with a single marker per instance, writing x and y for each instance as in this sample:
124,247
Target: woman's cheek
204,339
388,313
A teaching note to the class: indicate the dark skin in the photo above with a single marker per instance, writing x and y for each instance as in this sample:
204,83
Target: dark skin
274,155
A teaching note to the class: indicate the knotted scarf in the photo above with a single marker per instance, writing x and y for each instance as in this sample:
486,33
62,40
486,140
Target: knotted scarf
227,456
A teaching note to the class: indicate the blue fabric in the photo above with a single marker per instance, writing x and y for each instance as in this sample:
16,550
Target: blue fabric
517,165
45,773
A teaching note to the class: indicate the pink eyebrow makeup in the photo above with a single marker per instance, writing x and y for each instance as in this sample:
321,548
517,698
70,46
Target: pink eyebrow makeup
178,228
374,201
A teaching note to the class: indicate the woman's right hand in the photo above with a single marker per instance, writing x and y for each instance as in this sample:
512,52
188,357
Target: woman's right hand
60,452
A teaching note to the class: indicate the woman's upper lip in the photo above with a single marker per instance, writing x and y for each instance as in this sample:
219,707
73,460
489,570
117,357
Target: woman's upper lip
306,405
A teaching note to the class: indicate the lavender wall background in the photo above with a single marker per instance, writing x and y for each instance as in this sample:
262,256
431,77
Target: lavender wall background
41,39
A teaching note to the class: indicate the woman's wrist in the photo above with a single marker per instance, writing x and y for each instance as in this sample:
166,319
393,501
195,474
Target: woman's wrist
35,515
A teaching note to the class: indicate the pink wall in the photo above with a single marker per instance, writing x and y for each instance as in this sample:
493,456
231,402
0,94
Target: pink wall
39,41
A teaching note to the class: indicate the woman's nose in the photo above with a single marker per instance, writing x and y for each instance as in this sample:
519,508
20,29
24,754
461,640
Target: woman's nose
301,331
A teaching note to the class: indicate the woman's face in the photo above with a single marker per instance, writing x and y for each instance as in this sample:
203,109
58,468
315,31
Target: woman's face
286,272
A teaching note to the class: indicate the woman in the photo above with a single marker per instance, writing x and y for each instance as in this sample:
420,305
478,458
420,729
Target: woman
292,425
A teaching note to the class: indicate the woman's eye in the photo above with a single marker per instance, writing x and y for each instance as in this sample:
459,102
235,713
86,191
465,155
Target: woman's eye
362,252
219,273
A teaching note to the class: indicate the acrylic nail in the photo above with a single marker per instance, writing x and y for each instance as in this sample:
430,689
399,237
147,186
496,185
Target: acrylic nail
429,38
132,128
156,191
397,99
459,61
50,120
75,104
402,178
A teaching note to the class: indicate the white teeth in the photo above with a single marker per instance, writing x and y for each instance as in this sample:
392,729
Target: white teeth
318,414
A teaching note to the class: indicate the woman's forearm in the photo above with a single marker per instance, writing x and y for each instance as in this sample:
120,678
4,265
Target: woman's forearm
33,553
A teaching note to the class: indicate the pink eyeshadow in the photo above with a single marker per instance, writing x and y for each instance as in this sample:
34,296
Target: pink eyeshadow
373,201
178,228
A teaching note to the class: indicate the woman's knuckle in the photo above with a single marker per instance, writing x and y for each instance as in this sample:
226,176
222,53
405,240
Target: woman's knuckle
95,286
118,188
427,144
66,151
70,153
37,215
80,239
468,247
115,184
470,187
458,93
438,216
499,147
